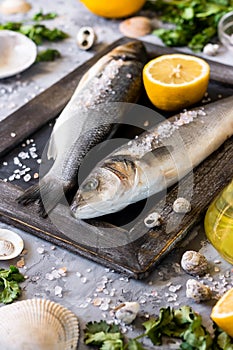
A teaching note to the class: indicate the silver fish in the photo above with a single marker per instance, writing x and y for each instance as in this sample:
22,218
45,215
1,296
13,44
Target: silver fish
157,159
88,118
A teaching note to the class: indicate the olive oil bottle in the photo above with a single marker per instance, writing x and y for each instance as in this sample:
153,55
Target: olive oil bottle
219,223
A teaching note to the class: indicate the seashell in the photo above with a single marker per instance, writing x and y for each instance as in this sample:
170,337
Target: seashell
14,6
197,291
127,311
194,263
210,49
135,27
18,52
11,244
6,247
181,205
38,324
86,38
153,220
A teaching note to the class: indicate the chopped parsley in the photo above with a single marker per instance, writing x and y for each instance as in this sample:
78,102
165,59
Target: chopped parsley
9,284
195,21
182,323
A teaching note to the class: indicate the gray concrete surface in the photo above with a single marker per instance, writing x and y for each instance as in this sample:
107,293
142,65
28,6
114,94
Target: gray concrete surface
86,283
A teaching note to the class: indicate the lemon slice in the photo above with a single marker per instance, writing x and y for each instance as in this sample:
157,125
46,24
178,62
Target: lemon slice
176,81
222,312
113,8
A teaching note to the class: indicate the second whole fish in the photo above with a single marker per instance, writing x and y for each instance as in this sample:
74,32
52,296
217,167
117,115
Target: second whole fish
87,119
155,160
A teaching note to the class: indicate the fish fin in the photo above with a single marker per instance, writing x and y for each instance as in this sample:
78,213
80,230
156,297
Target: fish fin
52,149
160,151
171,174
48,193
31,195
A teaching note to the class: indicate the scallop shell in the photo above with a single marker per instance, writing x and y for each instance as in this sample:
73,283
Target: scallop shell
18,52
11,244
14,6
37,324
6,247
135,27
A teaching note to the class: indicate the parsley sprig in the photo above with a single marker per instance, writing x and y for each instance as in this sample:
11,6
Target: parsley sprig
195,20
9,284
39,33
182,323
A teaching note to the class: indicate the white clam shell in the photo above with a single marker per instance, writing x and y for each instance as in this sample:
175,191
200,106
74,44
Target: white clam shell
37,324
16,243
17,53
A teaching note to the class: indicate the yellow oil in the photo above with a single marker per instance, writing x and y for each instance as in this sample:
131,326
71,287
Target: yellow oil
219,223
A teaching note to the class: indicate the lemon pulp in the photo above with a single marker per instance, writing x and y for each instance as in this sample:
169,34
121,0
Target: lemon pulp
219,223
175,81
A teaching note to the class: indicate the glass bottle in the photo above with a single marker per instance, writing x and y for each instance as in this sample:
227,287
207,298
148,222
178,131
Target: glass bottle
219,223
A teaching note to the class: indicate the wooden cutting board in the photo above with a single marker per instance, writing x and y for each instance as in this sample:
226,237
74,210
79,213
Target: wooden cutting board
140,248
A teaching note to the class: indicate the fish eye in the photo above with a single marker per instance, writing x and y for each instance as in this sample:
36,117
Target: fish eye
90,185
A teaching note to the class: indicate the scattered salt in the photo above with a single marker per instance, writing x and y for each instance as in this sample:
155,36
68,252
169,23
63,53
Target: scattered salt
58,291
40,250
27,177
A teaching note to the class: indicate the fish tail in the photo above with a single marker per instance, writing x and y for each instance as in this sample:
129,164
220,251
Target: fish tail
48,193
30,195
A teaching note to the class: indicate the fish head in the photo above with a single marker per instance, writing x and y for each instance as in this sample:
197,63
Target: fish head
103,190
131,51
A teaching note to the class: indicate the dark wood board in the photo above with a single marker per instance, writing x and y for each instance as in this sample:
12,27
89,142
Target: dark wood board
142,249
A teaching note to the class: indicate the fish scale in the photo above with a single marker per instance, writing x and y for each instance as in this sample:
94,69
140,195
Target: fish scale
88,119
162,156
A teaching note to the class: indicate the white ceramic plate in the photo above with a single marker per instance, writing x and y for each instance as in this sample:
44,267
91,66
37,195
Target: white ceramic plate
17,53
15,239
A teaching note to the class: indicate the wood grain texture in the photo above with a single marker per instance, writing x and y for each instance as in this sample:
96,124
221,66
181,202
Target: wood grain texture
47,105
135,251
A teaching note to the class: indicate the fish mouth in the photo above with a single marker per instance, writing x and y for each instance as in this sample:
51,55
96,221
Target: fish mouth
80,209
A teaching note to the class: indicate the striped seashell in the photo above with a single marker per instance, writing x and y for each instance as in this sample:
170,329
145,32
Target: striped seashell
38,324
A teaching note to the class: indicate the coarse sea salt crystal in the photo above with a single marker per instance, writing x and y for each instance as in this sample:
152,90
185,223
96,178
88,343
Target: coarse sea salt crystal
58,291
27,177
40,250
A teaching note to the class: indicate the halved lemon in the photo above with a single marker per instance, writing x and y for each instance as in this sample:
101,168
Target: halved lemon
222,312
113,8
176,81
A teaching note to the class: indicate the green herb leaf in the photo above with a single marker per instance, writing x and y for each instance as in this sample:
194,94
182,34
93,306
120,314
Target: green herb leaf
100,333
112,344
222,340
133,344
9,287
11,26
40,16
196,20
47,55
